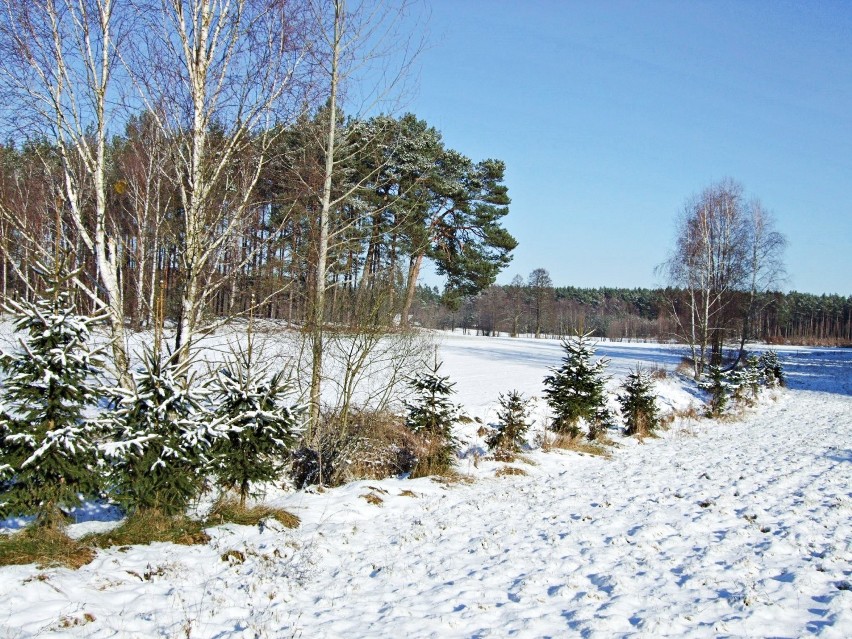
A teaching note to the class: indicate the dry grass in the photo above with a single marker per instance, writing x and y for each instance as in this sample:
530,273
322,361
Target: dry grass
452,478
371,445
686,367
373,498
526,460
658,372
231,511
502,455
149,526
578,444
507,471
44,546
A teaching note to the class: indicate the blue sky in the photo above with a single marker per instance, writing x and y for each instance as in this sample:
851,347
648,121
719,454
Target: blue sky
609,115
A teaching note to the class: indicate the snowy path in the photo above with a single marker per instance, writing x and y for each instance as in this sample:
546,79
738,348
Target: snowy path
737,529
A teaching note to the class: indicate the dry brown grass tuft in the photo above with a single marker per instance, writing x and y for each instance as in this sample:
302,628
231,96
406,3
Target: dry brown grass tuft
373,498
149,526
579,444
502,455
230,510
452,479
507,471
686,367
686,413
658,373
44,546
371,445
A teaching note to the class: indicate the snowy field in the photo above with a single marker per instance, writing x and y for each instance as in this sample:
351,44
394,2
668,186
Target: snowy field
739,528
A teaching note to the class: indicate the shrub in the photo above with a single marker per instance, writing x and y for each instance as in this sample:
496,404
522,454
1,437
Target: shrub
576,390
374,445
638,404
512,423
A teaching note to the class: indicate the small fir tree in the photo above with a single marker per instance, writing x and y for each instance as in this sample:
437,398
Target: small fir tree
48,461
753,375
512,424
431,415
577,389
161,435
259,428
717,382
638,404
773,372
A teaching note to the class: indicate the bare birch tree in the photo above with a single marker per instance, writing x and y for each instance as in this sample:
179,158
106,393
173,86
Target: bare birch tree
724,247
58,59
222,76
355,40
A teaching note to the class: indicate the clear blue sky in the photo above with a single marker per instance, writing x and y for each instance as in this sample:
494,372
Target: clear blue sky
609,115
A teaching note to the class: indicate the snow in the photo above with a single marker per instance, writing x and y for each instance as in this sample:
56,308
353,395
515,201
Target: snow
735,527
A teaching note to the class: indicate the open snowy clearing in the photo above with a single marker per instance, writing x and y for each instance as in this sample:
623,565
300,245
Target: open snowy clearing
725,528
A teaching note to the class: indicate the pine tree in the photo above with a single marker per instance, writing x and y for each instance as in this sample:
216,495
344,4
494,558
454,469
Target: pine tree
161,435
753,375
48,460
773,372
717,382
431,415
512,423
577,389
638,404
259,429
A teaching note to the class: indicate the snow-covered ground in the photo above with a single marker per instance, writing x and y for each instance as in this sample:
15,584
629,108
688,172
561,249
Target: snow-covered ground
725,528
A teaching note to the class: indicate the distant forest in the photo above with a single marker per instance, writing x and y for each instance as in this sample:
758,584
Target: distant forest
630,313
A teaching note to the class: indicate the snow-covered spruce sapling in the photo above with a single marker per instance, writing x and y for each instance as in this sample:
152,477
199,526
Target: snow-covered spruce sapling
639,404
717,382
577,389
160,439
512,423
753,375
48,460
773,372
431,415
259,428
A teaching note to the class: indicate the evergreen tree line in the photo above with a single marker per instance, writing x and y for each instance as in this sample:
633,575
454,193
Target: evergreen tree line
404,197
636,314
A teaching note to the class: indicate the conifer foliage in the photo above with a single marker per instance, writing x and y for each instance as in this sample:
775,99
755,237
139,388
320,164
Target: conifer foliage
512,423
718,383
773,372
47,456
431,415
576,390
638,404
259,428
160,439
